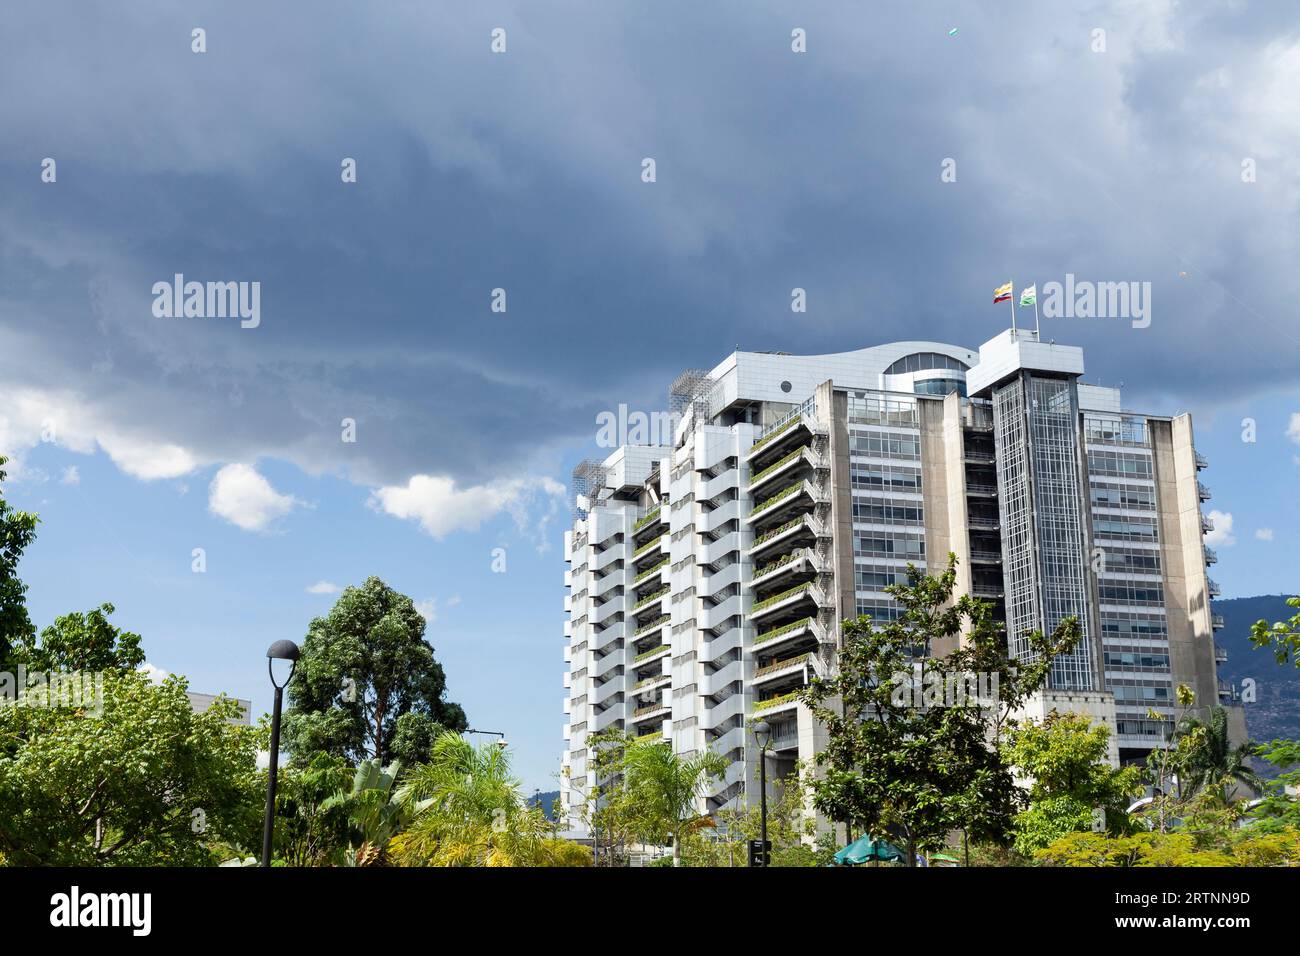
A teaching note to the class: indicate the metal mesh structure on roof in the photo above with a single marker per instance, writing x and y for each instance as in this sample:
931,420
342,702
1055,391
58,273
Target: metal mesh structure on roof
588,479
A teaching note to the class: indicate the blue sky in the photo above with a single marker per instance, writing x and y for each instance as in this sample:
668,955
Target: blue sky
522,170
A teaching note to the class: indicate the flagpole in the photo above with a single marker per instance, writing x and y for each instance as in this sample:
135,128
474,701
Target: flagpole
1013,306
1037,333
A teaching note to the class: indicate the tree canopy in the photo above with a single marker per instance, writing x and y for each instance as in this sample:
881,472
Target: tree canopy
367,683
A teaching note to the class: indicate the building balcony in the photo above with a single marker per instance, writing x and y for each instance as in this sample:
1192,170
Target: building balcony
1211,556
983,522
980,489
978,456
650,626
797,428
655,573
1220,655
788,634
650,519
801,561
778,704
800,665
800,458
1202,492
650,546
801,494
650,655
1212,586
986,557
987,590
658,707
800,528
787,601
1202,461
648,603
1207,524
1217,622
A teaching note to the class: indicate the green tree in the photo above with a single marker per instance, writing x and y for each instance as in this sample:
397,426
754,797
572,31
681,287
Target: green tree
367,683
893,765
1282,637
82,642
1280,809
1208,758
1066,759
146,782
309,829
468,810
664,786
17,530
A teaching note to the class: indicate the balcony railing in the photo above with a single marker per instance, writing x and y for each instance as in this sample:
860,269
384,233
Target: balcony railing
1211,556
646,519
649,571
783,629
1202,461
650,653
780,496
778,598
781,665
653,542
650,598
657,622
776,701
779,463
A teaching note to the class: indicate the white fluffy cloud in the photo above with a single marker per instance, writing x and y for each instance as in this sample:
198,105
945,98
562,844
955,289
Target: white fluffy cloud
1293,429
32,417
441,507
244,498
156,675
323,587
70,476
1222,535
1264,534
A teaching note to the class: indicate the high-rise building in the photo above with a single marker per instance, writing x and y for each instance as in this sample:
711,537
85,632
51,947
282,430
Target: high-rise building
709,573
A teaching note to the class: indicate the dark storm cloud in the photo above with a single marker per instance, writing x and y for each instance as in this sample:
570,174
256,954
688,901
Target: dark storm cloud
521,170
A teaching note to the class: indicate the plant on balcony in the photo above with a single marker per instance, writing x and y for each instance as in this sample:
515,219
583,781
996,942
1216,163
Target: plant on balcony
776,701
645,520
779,529
779,665
783,629
775,598
650,653
649,571
653,542
779,563
779,430
781,462
781,495
650,597
663,619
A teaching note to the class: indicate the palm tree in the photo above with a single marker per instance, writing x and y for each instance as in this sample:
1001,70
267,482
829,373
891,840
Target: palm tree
1209,758
664,787
469,811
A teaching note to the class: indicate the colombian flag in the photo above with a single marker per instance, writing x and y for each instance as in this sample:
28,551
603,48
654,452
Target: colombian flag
1002,293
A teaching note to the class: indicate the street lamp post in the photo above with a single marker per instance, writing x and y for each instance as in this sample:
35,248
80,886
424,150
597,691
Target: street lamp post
279,651
491,733
763,734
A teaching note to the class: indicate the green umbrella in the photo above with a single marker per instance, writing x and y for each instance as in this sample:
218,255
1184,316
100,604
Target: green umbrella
866,848
944,858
